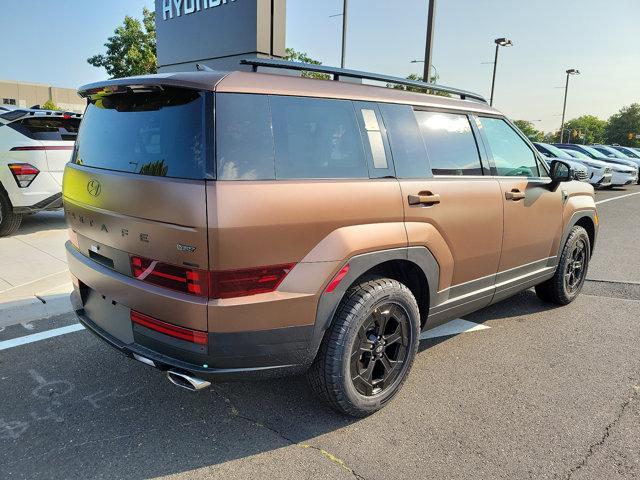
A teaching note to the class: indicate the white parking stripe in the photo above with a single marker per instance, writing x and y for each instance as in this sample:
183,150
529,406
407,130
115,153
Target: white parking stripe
454,327
36,337
617,198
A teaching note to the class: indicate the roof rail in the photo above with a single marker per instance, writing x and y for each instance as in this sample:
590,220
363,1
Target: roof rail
341,72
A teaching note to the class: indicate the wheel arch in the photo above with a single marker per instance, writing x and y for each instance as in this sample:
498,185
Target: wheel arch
416,267
585,219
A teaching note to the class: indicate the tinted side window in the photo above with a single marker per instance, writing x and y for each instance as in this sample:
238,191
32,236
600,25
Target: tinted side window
317,138
511,155
243,137
407,147
451,145
48,128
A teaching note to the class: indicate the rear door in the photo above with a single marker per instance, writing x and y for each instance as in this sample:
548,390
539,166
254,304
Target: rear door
452,205
532,209
136,187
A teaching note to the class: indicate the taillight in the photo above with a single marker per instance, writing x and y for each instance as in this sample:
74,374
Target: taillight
23,173
181,279
218,284
182,333
250,281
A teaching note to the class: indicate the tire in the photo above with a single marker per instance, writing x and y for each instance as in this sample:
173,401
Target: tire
378,325
9,221
567,281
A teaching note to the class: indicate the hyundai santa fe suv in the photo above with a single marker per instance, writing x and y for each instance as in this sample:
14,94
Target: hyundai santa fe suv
234,223
35,145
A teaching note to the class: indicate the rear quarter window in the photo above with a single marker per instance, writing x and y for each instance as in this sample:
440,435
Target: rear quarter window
262,137
48,128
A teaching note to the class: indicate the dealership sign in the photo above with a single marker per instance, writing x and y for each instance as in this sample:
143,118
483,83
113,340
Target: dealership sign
186,7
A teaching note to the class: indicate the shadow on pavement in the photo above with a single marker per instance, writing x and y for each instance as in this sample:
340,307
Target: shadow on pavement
42,221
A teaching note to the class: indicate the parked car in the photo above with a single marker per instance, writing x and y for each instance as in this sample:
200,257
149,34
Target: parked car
623,171
595,172
614,153
628,151
35,145
306,225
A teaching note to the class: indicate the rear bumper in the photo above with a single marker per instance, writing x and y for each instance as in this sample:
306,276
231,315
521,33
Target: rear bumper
263,353
54,202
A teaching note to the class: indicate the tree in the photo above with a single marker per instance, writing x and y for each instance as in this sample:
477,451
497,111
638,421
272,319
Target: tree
585,129
529,130
295,56
624,126
418,78
50,105
132,48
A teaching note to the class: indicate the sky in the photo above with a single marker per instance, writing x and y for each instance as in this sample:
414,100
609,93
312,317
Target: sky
600,38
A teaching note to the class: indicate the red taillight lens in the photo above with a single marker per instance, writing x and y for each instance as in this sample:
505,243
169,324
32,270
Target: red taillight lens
23,173
186,334
181,279
250,281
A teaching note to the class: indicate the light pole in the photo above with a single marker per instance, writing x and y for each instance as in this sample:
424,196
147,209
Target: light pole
500,42
435,71
428,50
571,71
344,33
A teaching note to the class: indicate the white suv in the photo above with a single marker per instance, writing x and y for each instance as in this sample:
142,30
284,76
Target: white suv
35,145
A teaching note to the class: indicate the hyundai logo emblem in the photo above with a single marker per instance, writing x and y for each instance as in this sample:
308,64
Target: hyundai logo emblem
93,187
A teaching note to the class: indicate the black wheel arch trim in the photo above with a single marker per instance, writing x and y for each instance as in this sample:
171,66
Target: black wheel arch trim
575,218
358,266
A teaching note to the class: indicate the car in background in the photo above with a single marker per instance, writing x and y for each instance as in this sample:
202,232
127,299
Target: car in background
628,151
625,172
35,146
614,153
596,173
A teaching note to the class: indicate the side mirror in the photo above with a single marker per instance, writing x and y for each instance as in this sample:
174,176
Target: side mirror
561,171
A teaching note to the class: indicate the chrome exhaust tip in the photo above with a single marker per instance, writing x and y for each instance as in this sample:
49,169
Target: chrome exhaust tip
187,381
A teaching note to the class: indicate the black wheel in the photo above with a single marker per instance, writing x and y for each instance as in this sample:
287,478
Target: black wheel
567,282
368,351
9,221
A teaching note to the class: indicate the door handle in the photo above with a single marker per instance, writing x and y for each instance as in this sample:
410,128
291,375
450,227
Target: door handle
424,198
515,195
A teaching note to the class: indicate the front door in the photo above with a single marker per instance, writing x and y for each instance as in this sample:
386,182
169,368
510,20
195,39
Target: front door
532,207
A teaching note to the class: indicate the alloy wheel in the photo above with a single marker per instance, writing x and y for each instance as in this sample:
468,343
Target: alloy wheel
379,351
576,266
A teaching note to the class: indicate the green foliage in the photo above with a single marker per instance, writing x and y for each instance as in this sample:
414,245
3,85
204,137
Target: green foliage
586,129
50,105
625,124
295,56
416,77
529,130
132,48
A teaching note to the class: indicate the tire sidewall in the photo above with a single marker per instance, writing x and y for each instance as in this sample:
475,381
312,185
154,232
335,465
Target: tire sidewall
578,233
403,298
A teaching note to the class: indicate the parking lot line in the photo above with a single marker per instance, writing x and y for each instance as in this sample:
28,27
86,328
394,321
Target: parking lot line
454,327
36,337
617,198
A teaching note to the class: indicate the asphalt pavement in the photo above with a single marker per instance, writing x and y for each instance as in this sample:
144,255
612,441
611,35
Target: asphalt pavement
544,392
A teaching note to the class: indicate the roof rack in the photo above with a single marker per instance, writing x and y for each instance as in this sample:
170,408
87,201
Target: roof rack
341,72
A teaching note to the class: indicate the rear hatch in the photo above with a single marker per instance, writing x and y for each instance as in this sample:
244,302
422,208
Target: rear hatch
135,195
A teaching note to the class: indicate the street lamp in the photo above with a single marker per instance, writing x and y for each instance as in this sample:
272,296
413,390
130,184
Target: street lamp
500,42
571,71
345,7
435,70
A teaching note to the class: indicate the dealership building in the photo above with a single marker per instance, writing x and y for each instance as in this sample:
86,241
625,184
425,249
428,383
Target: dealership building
25,95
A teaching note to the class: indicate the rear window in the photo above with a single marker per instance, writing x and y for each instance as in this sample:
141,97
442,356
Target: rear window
48,128
158,133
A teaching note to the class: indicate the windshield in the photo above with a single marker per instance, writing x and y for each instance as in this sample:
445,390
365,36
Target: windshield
611,151
555,151
157,133
593,152
576,154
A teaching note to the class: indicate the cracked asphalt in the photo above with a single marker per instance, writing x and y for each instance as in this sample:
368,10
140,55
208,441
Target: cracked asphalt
545,393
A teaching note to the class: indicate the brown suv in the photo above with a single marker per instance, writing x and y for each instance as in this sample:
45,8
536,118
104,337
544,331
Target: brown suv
229,223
